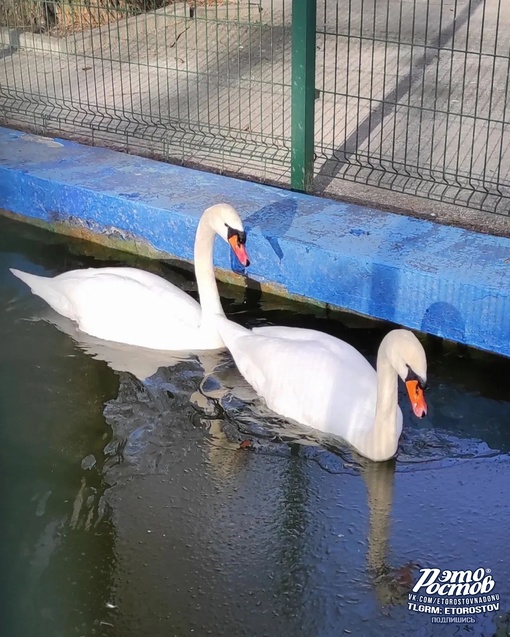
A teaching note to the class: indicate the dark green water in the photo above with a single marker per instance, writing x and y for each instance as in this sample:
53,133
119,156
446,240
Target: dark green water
128,508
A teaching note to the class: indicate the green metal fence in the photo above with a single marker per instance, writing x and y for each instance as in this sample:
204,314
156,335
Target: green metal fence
406,95
414,98
206,85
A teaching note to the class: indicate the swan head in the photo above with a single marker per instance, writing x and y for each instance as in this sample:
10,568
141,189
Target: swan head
407,356
226,222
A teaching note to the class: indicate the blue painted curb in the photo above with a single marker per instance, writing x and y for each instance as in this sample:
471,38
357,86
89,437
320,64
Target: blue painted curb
438,279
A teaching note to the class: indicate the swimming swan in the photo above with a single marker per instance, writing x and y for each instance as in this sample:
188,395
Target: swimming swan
135,307
323,382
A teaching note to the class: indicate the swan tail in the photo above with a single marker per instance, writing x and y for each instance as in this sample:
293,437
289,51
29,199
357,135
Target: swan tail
229,331
45,288
34,282
243,344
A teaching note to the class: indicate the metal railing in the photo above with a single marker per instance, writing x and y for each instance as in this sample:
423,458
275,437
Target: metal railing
407,95
420,104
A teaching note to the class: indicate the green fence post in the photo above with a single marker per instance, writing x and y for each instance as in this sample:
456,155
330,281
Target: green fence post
304,13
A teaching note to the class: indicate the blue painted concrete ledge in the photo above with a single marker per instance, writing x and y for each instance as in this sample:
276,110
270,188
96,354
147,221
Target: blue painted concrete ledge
438,279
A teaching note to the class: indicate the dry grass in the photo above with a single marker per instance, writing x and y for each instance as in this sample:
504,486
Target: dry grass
64,16
30,15
76,15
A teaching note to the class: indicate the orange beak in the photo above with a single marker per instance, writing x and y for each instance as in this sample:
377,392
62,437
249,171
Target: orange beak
417,398
239,250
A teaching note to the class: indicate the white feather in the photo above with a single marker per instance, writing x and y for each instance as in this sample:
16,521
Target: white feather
135,307
323,382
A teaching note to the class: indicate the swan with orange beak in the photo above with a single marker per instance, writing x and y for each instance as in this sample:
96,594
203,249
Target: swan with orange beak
323,382
237,241
416,387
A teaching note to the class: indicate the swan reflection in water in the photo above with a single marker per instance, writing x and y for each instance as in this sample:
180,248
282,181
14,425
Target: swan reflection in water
391,584
140,362
219,397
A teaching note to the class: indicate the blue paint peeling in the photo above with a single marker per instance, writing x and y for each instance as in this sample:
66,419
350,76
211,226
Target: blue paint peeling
441,280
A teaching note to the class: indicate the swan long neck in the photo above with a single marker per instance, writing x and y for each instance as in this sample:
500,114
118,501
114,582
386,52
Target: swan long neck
387,429
204,269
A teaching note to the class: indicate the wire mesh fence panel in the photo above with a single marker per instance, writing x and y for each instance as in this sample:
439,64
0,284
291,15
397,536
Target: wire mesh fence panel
414,98
206,82
412,95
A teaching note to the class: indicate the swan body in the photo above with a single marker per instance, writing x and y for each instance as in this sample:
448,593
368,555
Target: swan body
135,307
325,383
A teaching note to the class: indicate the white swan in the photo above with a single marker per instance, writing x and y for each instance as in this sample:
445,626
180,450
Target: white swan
323,382
135,307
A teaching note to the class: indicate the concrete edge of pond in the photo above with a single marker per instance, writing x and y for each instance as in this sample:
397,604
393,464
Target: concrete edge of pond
442,280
